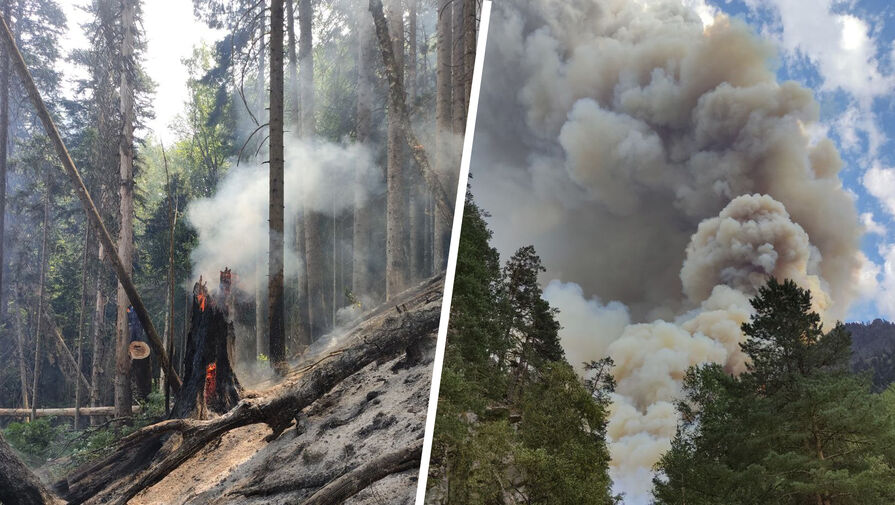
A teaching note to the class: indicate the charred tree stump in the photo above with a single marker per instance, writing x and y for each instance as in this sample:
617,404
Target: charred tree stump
209,382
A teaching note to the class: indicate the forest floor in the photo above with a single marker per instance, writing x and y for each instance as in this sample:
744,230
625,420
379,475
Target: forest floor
377,410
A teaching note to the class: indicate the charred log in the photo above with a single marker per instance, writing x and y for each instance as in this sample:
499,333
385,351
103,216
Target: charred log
209,382
356,480
18,484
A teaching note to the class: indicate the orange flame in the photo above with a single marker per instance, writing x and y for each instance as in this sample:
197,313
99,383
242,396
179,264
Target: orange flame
201,297
210,376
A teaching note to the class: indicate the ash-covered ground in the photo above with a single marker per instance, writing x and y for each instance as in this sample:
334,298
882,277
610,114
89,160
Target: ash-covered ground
376,411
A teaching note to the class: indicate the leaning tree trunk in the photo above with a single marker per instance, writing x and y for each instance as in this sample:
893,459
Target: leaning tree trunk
209,382
396,264
18,486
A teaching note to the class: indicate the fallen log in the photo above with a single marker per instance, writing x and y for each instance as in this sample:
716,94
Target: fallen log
118,478
65,412
18,485
356,480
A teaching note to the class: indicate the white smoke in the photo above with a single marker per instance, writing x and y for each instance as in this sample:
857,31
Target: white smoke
232,225
663,168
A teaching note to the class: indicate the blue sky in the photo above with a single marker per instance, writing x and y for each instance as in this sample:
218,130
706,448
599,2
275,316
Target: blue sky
845,52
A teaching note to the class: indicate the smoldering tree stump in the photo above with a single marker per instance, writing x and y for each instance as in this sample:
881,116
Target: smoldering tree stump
209,382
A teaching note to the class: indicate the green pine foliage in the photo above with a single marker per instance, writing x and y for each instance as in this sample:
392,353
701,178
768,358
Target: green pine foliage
796,428
515,423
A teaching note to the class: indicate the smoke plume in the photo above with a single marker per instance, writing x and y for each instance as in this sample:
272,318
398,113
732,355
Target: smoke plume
232,225
666,171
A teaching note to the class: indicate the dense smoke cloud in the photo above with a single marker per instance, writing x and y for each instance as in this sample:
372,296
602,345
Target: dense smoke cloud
665,174
232,225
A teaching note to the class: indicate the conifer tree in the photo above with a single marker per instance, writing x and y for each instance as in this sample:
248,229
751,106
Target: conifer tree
796,428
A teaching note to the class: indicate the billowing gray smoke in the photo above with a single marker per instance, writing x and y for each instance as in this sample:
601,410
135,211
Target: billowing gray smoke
232,225
665,171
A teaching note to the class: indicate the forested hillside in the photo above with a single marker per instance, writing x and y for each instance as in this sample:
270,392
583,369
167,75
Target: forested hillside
873,351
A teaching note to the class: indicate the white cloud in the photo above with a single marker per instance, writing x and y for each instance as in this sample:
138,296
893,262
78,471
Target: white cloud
840,45
885,299
870,224
867,279
880,182
842,48
705,11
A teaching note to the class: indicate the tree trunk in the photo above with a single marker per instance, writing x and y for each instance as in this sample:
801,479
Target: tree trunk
443,126
412,54
458,68
396,267
123,393
18,485
4,139
318,303
261,345
276,300
363,215
304,328
81,320
98,376
20,348
470,27
416,213
38,335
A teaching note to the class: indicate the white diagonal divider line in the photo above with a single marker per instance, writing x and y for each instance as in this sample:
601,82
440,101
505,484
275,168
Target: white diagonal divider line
452,254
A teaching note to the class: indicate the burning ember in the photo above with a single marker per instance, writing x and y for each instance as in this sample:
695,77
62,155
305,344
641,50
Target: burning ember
210,377
200,291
